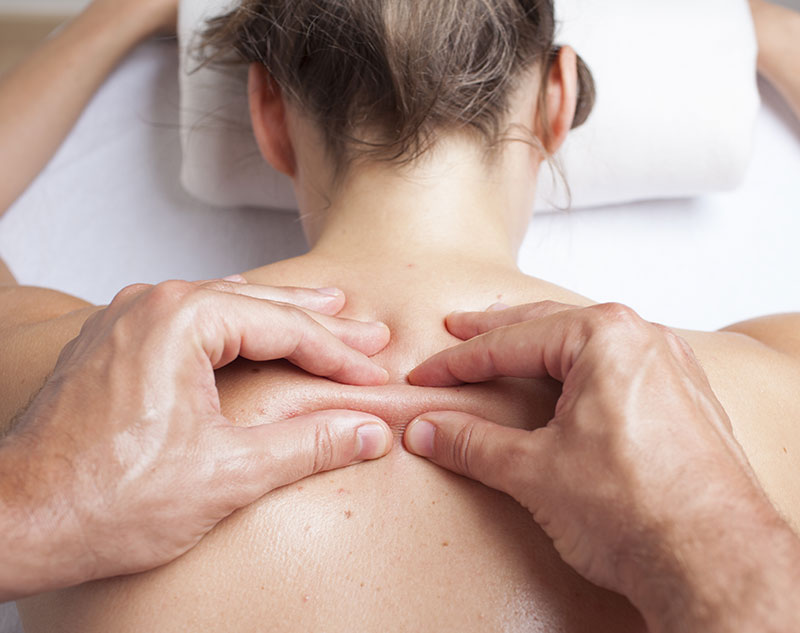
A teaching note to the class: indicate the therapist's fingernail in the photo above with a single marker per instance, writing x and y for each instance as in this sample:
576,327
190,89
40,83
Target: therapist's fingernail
373,442
419,438
498,307
330,292
237,279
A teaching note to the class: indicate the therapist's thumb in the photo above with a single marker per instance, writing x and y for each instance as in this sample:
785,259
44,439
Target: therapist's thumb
500,457
274,455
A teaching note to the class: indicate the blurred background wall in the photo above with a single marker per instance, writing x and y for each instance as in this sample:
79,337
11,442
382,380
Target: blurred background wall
51,7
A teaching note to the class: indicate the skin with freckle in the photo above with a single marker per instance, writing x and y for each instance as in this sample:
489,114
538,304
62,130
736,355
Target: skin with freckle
399,544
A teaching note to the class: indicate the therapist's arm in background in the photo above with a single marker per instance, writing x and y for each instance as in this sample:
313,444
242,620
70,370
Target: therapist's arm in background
42,98
778,33
123,461
40,101
638,478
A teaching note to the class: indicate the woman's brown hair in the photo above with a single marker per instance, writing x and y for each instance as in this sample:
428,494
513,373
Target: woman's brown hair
402,70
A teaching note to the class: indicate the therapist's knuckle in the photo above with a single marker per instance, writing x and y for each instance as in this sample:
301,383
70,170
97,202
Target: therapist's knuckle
169,294
324,449
94,321
618,315
663,334
300,319
662,331
292,317
337,366
688,351
170,299
305,330
122,333
676,341
679,346
618,328
129,291
218,285
464,448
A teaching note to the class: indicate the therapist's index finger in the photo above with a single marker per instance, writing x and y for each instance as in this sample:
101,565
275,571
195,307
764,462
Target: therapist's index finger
320,304
467,325
367,337
329,301
235,325
532,349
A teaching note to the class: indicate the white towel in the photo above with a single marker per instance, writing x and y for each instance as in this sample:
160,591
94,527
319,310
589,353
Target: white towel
676,106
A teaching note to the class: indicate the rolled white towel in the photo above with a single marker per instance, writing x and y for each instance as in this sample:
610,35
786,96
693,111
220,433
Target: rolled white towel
674,117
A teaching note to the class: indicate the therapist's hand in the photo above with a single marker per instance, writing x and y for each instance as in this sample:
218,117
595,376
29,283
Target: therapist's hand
124,460
637,478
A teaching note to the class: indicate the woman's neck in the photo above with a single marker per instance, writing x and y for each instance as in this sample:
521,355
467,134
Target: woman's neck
448,208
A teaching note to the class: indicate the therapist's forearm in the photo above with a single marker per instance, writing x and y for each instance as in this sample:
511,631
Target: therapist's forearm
35,324
778,33
41,549
42,98
739,579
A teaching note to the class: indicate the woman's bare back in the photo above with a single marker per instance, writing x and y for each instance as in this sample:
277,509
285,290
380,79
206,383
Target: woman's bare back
399,544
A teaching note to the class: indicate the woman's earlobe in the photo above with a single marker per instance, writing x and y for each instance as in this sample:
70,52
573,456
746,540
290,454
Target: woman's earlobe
560,98
269,120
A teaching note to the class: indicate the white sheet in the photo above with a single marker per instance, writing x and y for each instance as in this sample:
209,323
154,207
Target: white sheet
109,211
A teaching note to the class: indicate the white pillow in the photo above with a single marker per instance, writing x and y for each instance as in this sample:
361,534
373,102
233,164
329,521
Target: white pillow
675,111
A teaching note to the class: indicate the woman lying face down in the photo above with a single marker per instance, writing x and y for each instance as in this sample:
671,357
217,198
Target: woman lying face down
413,133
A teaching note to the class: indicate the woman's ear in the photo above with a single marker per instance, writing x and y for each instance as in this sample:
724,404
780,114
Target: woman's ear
270,125
559,100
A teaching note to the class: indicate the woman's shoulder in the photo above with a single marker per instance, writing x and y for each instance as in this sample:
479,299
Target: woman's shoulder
754,369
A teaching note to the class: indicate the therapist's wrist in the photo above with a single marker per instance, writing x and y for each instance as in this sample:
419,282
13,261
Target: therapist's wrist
44,547
734,570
